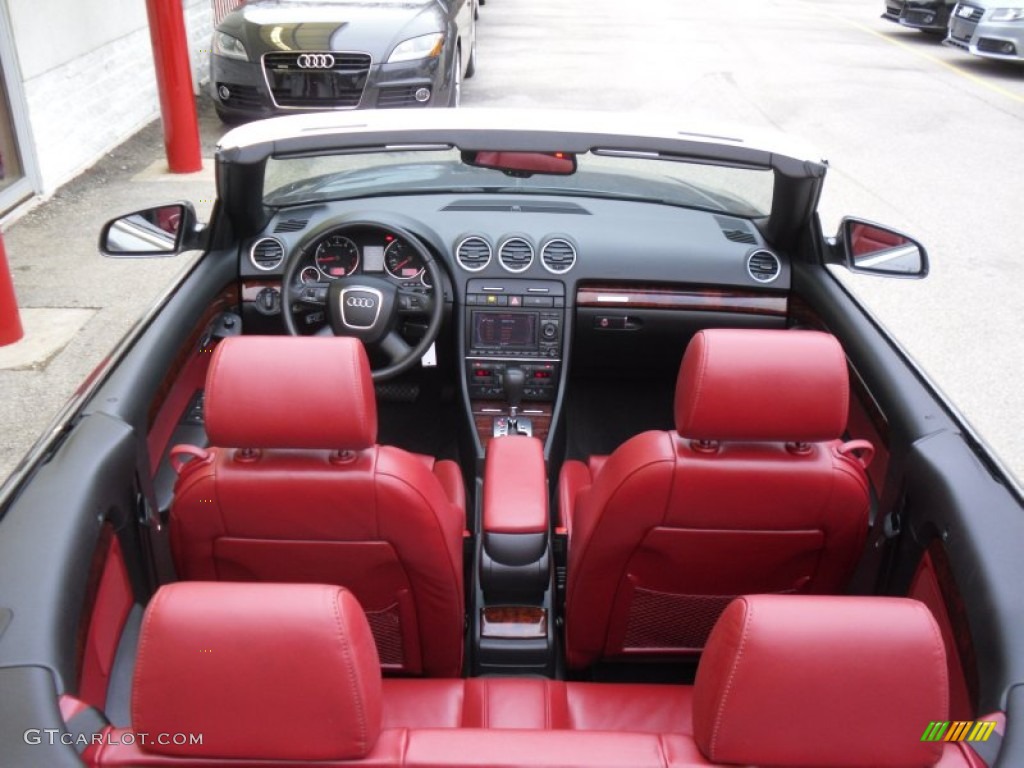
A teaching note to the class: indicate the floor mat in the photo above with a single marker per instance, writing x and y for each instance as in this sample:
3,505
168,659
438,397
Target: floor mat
601,415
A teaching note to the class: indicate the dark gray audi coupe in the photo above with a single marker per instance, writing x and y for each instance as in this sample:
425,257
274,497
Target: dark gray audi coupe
515,439
281,56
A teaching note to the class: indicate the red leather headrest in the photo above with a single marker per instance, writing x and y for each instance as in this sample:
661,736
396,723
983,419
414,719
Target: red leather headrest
762,385
262,671
822,681
290,392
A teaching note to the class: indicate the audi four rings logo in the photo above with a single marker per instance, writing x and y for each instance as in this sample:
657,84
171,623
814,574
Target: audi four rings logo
315,61
361,302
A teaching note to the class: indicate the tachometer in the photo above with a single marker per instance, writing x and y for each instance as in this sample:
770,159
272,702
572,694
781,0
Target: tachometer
337,256
401,261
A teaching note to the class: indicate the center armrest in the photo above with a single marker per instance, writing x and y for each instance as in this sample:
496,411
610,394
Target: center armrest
515,486
514,561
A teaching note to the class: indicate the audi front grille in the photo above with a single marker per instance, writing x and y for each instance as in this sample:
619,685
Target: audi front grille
316,79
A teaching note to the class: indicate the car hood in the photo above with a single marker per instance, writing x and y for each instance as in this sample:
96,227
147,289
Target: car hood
372,26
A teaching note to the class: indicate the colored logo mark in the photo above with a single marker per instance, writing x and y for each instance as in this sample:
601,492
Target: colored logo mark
959,730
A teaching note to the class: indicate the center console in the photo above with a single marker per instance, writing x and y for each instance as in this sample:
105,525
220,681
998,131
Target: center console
513,354
513,630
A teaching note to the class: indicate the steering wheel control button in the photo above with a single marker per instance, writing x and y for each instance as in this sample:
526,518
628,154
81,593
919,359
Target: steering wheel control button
314,294
360,307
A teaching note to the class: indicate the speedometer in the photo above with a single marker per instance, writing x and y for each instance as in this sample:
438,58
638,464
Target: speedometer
401,261
336,256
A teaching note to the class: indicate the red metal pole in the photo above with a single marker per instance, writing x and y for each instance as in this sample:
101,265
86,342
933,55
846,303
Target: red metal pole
174,82
10,320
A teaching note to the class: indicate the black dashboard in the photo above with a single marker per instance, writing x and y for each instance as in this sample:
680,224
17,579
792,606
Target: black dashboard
531,283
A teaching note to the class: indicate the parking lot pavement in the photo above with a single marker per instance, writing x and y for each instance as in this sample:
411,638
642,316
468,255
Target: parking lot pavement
76,304
919,136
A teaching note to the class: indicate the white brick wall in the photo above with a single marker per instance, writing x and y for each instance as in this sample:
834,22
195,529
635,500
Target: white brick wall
84,107
199,27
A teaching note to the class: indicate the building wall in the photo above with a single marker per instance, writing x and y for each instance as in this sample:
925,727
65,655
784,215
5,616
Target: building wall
88,76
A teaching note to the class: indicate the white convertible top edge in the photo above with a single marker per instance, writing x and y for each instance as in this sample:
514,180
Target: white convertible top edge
639,124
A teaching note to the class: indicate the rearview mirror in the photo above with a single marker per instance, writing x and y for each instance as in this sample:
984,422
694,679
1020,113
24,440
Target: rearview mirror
523,164
877,250
162,231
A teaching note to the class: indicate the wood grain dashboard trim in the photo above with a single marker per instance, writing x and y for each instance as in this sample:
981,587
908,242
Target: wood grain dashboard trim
612,296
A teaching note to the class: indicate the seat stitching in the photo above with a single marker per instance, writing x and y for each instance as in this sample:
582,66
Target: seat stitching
547,705
719,714
939,651
147,633
434,516
701,371
213,375
334,597
352,362
571,581
845,386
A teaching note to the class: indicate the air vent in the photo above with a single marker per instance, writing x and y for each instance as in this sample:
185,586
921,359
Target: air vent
516,206
515,254
291,225
473,253
558,256
763,266
736,230
267,254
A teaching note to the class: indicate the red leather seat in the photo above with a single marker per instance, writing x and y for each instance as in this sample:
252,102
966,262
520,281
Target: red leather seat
298,491
276,672
285,674
752,493
858,678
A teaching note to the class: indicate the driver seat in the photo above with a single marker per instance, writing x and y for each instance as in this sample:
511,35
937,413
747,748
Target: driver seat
297,490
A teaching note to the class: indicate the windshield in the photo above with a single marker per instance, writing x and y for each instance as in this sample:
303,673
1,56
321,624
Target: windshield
603,173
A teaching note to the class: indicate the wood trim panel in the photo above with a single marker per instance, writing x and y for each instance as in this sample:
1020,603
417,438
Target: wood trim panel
251,288
611,296
513,621
227,301
485,411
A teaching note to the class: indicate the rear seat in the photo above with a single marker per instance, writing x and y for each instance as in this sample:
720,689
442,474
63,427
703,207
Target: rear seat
287,674
537,703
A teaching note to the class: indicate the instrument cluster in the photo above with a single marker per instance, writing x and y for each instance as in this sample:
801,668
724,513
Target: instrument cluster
340,254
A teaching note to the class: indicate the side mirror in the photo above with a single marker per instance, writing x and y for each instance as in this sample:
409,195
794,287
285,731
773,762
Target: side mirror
166,230
876,250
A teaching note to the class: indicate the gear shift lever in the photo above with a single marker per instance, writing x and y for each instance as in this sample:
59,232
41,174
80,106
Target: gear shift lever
513,382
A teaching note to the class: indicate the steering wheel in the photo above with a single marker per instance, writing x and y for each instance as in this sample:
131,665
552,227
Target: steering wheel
368,307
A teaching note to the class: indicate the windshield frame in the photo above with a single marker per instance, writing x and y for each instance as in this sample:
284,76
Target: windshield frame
243,153
643,177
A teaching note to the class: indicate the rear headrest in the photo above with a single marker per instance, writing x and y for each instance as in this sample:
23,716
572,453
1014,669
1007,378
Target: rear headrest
762,385
262,671
290,392
822,681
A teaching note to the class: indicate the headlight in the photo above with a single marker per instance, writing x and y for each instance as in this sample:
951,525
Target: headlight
1007,14
422,47
229,46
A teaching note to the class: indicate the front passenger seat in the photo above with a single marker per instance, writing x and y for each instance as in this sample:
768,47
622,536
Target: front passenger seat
751,493
297,490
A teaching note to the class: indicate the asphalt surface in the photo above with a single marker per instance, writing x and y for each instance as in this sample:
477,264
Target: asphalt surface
920,136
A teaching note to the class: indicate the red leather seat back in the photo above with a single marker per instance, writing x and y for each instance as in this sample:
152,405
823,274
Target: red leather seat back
297,491
751,494
855,679
214,660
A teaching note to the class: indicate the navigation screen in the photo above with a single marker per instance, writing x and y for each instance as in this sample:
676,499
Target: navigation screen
499,330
